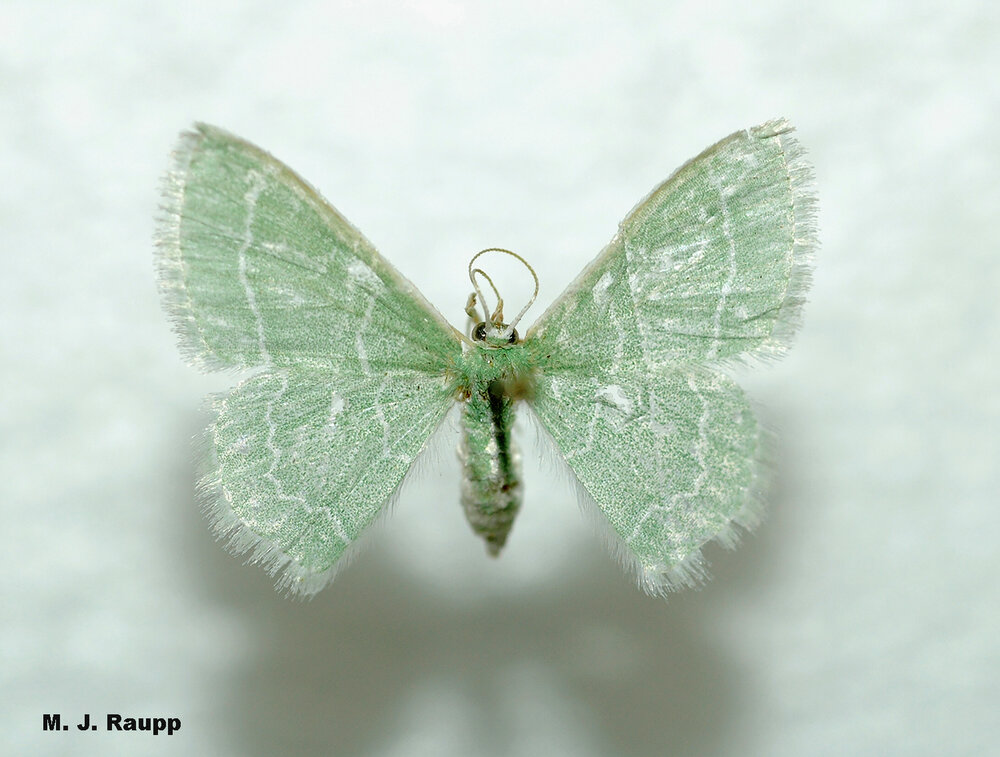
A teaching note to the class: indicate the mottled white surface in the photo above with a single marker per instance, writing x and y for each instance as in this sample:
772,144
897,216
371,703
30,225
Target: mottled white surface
860,619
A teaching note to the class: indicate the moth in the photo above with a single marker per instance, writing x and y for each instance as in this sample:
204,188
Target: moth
354,369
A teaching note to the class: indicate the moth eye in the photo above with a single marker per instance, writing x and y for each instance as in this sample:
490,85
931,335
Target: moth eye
513,336
479,332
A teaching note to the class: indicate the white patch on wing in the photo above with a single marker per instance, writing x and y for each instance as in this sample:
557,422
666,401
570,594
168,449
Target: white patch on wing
555,386
615,396
601,287
359,273
337,405
564,337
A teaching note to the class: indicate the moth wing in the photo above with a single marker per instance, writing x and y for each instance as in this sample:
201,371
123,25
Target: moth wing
302,461
670,458
712,264
256,269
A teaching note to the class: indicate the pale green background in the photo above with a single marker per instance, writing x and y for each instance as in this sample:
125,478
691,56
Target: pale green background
862,618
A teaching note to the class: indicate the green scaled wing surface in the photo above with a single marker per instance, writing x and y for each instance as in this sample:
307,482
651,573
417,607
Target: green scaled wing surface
669,456
258,271
713,264
710,268
305,460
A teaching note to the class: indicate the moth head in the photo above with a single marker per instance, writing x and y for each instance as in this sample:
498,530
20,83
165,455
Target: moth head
490,329
494,335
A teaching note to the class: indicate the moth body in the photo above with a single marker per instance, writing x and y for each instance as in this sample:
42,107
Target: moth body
496,372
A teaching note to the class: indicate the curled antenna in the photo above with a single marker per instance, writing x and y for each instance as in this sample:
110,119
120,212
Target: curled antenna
470,306
497,317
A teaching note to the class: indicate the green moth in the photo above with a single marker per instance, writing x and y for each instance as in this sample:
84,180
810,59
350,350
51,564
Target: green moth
355,369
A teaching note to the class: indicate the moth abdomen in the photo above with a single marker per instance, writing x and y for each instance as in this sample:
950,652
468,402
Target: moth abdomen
491,465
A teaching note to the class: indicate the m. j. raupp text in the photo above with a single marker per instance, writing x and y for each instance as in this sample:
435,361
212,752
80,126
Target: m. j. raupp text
115,722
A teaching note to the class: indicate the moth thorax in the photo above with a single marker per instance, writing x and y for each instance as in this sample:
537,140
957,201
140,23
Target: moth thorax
494,335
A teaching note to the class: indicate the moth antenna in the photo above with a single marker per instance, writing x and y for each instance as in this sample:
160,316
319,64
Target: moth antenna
497,317
534,294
